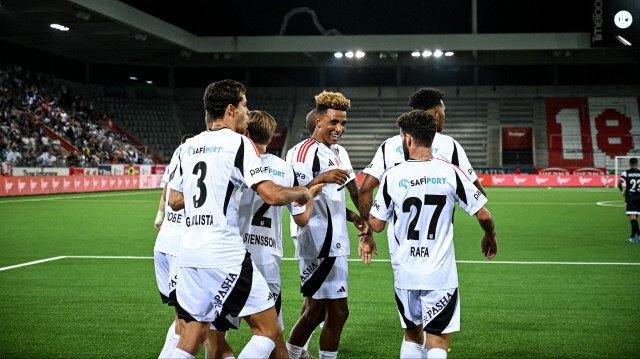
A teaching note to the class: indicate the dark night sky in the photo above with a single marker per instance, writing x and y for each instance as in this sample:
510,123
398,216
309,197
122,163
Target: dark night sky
372,17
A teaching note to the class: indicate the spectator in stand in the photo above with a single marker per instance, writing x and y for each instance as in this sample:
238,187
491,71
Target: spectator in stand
518,170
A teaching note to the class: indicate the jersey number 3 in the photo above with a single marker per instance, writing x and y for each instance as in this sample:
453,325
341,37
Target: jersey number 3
202,167
429,200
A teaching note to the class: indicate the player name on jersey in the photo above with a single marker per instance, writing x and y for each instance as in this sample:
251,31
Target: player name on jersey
259,240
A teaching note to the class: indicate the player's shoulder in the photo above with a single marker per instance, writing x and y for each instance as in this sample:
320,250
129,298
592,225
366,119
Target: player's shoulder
392,141
304,149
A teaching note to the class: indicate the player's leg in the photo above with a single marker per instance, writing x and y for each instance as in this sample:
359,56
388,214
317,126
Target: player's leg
162,264
216,345
312,316
305,348
337,314
441,316
410,312
267,336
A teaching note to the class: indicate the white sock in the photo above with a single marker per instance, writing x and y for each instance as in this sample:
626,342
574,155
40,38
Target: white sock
180,354
294,351
328,355
169,343
257,347
437,353
410,350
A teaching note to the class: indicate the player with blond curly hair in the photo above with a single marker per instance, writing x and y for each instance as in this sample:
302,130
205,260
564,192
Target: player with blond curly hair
323,244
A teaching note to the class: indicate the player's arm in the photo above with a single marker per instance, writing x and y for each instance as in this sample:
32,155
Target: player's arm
489,242
275,195
303,218
352,187
479,187
376,224
361,224
160,215
365,195
337,176
176,200
620,182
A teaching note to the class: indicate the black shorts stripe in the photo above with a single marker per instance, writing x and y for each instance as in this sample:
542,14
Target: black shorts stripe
240,292
223,324
182,314
326,246
279,303
173,300
410,325
164,298
311,286
442,320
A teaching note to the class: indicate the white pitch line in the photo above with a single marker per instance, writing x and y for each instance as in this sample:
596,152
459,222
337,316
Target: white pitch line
107,257
32,263
63,197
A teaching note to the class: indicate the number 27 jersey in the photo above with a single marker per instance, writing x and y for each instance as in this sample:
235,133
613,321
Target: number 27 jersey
213,166
419,198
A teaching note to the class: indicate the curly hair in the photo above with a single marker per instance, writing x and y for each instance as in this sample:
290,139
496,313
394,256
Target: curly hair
426,99
331,100
221,94
261,127
420,124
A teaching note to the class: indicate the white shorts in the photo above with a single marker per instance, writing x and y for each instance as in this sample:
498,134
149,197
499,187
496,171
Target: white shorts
206,293
231,322
324,278
164,264
437,310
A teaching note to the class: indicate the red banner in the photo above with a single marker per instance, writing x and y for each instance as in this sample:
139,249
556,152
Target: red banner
277,141
517,138
23,186
545,180
571,171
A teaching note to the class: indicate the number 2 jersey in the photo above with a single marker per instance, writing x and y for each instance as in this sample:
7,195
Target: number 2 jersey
213,166
261,224
419,198
632,179
390,153
326,234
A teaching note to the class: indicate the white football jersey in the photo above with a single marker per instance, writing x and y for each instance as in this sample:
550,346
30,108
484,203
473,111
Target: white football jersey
213,166
261,224
326,234
173,225
345,161
419,197
390,154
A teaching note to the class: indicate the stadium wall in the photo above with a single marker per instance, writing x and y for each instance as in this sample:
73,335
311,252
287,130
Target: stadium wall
25,186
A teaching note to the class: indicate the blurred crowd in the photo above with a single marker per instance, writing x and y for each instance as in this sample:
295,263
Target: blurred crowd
28,99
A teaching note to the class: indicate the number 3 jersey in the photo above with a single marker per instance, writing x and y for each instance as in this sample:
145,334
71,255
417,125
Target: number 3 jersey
419,198
261,224
213,166
326,234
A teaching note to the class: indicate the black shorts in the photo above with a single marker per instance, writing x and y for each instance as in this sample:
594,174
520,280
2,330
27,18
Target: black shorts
633,205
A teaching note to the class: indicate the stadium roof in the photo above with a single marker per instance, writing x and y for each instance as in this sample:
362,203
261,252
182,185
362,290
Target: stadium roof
302,33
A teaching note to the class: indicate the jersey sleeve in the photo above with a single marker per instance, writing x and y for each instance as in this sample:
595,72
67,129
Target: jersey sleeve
177,175
170,168
463,162
293,182
382,207
468,196
377,166
623,177
249,163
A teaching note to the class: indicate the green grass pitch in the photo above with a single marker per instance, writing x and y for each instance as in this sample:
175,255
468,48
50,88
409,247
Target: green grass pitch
551,301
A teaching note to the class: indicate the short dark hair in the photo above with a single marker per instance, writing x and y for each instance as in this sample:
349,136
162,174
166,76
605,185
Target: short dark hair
221,94
426,99
633,161
185,138
420,124
311,121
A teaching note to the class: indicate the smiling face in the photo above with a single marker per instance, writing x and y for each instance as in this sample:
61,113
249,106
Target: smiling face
330,126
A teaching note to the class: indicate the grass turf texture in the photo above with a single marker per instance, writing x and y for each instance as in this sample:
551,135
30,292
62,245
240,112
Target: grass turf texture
108,308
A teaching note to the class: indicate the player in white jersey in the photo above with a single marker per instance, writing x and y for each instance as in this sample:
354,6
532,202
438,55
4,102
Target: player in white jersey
390,153
420,195
323,244
216,274
165,251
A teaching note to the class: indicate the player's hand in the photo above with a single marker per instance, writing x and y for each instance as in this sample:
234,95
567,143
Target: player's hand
366,246
489,246
158,222
362,225
304,198
316,190
337,176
